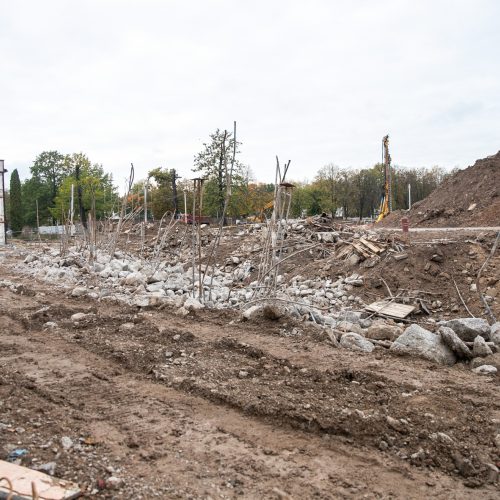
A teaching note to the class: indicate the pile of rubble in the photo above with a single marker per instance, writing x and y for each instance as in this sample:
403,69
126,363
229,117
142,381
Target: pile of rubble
331,305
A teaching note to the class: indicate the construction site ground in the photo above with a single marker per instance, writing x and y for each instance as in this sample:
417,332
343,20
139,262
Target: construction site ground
259,409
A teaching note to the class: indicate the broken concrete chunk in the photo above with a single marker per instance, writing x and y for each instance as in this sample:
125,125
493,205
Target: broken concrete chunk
469,328
495,333
125,327
383,331
251,312
356,342
485,370
79,291
480,348
79,317
400,256
134,279
419,342
453,341
192,304
328,237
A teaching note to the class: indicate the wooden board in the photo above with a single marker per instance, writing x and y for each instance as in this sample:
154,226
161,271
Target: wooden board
374,248
47,487
392,309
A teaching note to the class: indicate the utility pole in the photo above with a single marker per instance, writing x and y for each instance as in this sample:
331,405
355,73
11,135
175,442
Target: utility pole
409,196
3,220
145,203
174,189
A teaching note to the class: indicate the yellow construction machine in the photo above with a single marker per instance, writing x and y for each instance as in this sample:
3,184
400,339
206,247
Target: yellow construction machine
262,215
386,203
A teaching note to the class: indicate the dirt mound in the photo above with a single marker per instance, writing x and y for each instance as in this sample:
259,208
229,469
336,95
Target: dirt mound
471,197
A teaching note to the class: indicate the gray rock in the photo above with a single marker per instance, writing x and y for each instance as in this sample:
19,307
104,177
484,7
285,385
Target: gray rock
134,279
66,442
453,341
48,468
469,328
192,304
485,370
155,287
78,317
252,312
495,333
356,342
383,331
351,316
158,276
49,325
480,348
493,360
114,483
79,291
355,280
328,237
125,327
419,342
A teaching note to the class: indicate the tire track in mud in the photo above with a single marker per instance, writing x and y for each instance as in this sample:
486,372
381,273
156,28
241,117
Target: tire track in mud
213,374
128,415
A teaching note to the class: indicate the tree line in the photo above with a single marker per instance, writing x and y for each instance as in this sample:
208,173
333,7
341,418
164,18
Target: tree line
44,197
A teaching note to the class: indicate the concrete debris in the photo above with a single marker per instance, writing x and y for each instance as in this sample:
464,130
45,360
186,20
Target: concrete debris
383,331
469,328
79,317
495,333
125,327
455,343
419,342
66,442
79,291
485,370
481,348
356,342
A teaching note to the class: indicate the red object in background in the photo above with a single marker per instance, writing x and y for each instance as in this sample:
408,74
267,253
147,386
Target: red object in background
405,224
197,219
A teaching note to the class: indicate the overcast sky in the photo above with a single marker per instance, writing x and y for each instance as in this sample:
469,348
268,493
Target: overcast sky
311,81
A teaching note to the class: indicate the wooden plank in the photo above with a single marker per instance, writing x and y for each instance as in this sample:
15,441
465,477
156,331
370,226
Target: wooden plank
390,309
371,245
343,252
363,251
47,487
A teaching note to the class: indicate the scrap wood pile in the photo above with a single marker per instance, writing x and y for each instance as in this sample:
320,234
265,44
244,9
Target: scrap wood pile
362,247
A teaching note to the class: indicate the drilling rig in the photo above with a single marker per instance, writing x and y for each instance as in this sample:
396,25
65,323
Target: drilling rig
386,203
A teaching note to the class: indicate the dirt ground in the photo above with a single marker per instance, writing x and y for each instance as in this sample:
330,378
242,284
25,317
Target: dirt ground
207,406
470,197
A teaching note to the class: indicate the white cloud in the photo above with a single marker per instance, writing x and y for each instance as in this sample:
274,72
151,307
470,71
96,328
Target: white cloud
314,82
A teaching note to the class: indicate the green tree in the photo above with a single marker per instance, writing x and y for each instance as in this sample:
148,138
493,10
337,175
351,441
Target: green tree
161,192
47,172
98,193
213,164
15,202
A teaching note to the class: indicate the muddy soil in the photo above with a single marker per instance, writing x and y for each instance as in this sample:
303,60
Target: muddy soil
207,406
469,197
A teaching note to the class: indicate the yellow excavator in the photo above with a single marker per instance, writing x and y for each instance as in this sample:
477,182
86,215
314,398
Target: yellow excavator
262,216
386,203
